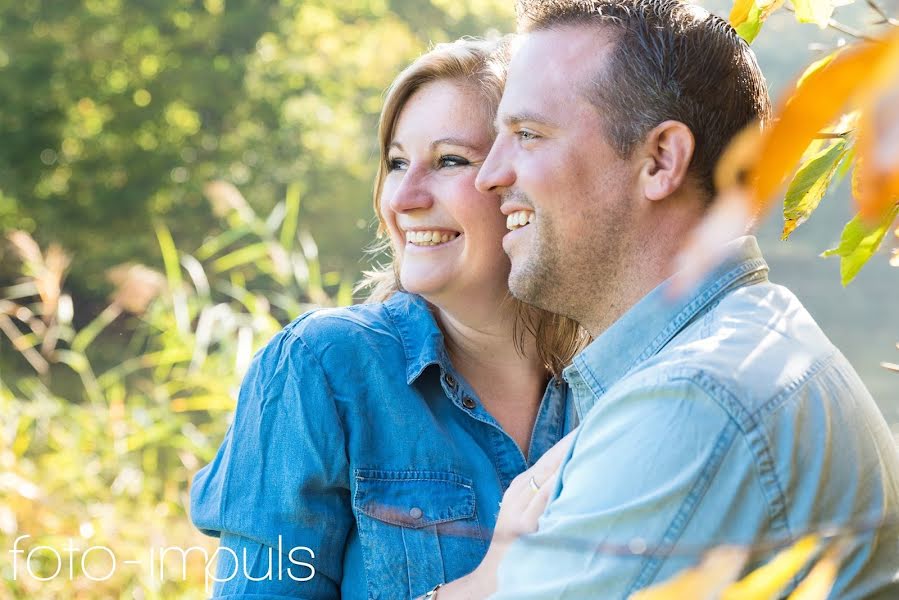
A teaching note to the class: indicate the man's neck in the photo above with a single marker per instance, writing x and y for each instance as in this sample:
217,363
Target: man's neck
647,265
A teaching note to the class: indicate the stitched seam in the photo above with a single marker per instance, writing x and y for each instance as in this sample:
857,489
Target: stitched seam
692,309
758,445
798,383
682,518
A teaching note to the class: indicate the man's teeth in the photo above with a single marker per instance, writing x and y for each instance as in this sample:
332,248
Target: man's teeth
519,219
430,238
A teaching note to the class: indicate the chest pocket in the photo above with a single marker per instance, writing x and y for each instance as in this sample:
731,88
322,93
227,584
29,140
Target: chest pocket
417,529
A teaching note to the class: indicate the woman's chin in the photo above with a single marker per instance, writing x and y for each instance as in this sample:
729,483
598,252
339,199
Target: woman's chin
424,285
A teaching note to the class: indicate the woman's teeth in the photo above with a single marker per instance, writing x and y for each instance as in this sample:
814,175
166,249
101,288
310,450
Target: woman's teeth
430,238
519,219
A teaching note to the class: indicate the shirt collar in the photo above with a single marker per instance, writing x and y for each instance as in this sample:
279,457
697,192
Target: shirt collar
651,323
421,337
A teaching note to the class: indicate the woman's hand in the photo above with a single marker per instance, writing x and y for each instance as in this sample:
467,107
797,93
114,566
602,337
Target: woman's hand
523,503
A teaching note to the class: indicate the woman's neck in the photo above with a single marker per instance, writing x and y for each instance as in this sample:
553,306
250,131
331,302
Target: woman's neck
482,348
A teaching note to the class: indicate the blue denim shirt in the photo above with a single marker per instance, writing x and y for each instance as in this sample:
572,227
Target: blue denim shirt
357,451
723,417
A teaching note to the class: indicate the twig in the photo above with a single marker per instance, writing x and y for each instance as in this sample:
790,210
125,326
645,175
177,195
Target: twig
842,28
830,135
882,14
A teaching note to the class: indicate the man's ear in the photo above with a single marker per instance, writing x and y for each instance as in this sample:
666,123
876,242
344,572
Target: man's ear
667,152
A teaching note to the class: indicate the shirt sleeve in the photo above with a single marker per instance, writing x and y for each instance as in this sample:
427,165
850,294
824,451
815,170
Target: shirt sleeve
277,492
623,515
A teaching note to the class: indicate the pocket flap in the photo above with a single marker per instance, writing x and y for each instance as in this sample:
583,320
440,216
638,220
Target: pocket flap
413,498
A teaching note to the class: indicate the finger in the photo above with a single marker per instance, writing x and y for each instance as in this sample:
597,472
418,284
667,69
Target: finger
537,506
549,463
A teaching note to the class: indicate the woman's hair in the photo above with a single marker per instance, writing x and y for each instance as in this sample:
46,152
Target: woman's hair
481,65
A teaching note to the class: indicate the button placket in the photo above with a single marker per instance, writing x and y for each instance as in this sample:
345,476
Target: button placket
450,381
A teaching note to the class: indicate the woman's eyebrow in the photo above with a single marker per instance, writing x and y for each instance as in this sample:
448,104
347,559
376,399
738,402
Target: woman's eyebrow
454,141
445,141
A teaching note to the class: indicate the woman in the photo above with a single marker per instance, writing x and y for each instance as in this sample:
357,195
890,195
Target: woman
371,444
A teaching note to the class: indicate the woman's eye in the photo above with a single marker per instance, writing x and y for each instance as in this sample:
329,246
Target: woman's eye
396,164
453,161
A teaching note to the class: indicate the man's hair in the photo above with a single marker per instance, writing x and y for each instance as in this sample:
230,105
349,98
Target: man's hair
669,60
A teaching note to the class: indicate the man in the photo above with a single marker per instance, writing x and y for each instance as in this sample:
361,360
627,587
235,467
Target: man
725,416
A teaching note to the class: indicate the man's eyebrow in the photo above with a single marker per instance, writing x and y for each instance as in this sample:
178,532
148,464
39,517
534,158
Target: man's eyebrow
514,119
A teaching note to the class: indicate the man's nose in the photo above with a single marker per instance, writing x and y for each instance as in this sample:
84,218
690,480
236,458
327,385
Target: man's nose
412,193
496,172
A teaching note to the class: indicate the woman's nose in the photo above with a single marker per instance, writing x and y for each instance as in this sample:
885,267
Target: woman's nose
412,193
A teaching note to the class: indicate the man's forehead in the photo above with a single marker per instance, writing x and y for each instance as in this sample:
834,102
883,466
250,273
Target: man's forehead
564,53
551,65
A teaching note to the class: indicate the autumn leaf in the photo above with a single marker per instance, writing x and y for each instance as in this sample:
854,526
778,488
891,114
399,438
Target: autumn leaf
815,67
718,568
818,101
818,583
859,242
877,177
747,16
713,576
813,11
770,578
808,187
862,78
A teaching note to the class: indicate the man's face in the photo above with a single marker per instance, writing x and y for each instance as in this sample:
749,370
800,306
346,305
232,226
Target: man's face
558,176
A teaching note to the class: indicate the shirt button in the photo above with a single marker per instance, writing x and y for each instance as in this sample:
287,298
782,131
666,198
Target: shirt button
468,402
450,381
415,513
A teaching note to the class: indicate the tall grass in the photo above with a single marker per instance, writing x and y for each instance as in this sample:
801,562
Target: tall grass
101,454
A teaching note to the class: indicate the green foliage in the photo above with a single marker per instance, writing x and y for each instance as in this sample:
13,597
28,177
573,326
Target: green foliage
116,446
859,242
808,186
116,114
847,87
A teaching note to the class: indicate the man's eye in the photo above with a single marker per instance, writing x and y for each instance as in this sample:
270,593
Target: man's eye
396,164
525,135
452,161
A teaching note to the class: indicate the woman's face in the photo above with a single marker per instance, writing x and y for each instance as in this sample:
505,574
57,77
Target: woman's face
447,235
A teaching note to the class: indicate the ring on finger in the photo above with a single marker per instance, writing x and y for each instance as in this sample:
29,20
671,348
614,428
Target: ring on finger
532,483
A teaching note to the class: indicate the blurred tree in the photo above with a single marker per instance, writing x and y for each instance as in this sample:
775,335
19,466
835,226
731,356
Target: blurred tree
114,113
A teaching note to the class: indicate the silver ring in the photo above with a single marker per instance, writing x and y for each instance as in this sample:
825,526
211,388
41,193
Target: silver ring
532,483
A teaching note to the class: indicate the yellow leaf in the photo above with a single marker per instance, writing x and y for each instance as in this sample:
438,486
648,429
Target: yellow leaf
718,568
747,16
767,580
813,11
816,66
740,12
819,581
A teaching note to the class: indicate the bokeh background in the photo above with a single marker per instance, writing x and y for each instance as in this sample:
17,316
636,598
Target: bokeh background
116,379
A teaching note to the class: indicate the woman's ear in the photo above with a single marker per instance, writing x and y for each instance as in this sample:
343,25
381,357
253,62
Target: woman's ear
667,152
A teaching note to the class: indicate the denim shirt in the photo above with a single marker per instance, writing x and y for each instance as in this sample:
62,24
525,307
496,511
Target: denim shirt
726,416
360,464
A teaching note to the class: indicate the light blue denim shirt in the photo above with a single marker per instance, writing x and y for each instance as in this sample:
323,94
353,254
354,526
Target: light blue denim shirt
723,417
355,440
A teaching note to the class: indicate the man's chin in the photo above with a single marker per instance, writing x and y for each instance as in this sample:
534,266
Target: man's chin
521,283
